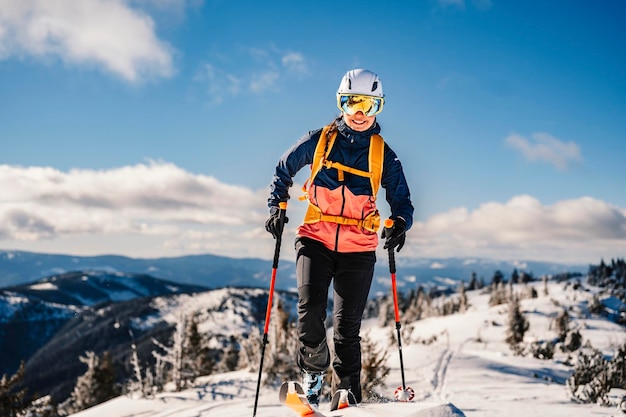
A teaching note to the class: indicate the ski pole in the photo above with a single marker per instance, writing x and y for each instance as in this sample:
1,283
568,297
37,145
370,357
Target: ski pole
268,312
406,394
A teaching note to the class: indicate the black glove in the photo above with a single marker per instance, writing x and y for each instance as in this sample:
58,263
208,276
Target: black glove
276,222
395,236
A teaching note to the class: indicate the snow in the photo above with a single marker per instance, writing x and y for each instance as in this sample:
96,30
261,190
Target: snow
44,286
458,365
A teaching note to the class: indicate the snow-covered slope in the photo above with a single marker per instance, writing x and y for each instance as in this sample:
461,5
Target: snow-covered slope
32,314
458,365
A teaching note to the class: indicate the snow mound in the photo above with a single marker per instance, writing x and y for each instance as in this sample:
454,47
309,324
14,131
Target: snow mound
411,409
446,410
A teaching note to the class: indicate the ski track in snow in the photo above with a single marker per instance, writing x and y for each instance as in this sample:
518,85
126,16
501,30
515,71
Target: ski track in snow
441,369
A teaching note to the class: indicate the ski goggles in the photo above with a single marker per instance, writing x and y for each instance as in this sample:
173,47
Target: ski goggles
351,104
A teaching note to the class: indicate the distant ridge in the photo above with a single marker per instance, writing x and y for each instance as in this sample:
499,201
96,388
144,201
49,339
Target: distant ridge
212,271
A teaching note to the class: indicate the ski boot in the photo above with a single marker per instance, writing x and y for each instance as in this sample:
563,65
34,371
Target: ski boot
312,383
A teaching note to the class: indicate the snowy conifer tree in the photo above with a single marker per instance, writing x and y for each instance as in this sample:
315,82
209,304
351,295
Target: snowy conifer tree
12,399
135,383
374,368
517,325
230,358
173,355
562,324
250,355
41,407
95,386
196,354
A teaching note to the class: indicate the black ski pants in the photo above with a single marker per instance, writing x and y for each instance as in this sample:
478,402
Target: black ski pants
351,275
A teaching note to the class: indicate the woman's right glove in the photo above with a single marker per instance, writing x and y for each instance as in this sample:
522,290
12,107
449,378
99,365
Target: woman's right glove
396,235
276,222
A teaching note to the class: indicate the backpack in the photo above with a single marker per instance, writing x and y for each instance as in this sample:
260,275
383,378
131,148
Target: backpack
320,159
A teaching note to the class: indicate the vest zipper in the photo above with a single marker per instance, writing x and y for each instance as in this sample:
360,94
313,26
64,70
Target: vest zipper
343,206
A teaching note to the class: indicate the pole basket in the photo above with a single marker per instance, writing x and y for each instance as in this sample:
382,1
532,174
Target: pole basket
404,394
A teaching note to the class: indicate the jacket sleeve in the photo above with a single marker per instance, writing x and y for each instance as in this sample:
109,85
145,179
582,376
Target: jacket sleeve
396,188
289,164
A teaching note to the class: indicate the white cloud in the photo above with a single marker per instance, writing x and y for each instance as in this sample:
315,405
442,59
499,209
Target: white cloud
219,84
258,71
544,147
577,230
158,199
263,81
295,62
102,33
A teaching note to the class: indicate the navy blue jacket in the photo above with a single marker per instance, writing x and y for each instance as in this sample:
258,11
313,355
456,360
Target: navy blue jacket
351,148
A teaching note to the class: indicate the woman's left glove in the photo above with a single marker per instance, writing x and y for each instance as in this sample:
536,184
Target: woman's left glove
276,222
396,235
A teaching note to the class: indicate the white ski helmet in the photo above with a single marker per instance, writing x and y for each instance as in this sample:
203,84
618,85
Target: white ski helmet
361,81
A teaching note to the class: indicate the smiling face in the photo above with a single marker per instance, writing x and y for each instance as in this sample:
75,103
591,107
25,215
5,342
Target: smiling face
358,121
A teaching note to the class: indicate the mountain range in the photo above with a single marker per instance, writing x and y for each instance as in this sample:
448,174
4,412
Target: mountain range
211,271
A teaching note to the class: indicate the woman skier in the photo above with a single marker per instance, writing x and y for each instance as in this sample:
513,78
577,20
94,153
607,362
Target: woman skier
338,238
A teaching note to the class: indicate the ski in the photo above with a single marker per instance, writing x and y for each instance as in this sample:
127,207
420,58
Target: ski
292,395
342,398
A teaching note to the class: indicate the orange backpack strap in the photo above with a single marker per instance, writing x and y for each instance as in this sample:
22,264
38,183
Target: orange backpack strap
376,159
322,150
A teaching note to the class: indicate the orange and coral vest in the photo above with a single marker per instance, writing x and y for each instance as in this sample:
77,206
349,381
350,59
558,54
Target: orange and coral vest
338,218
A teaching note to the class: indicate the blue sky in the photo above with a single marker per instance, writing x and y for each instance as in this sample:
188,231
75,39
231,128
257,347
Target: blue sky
151,128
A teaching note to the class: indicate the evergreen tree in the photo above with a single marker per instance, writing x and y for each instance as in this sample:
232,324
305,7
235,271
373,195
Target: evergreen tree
463,304
195,353
230,359
473,284
105,378
498,278
596,307
542,350
562,324
526,277
136,383
515,276
11,398
386,311
96,385
590,381
283,345
41,407
594,375
250,355
573,341
173,356
617,368
517,325
498,295
373,369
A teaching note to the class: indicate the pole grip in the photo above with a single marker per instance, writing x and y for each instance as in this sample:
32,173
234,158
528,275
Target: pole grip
392,259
